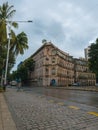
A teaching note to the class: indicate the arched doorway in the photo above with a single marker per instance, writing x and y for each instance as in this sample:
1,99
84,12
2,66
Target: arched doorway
53,82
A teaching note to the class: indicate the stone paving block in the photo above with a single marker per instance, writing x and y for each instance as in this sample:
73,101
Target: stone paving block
36,112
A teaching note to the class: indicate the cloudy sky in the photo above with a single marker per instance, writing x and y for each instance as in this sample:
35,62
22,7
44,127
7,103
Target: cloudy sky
71,25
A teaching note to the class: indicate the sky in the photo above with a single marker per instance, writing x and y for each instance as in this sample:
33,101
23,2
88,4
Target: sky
71,25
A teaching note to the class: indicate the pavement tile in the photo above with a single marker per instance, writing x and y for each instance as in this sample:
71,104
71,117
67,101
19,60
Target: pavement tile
6,121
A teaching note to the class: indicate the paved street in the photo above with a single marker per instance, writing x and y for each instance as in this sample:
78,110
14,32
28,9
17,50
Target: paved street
37,109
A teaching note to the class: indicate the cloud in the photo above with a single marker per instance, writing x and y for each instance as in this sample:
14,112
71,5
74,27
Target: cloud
70,24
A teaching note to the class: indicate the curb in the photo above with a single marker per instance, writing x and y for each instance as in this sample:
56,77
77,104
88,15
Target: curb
75,88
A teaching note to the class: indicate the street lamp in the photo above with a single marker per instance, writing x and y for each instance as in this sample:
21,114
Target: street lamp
7,58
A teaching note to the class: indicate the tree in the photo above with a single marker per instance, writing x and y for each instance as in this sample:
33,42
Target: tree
93,57
24,68
30,64
6,12
22,72
18,43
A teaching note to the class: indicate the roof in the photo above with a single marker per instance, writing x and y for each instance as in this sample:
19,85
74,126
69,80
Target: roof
49,44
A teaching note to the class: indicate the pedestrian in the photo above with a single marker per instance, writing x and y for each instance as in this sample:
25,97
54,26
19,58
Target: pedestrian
18,84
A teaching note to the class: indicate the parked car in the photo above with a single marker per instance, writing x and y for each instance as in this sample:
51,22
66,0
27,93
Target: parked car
96,84
13,83
75,84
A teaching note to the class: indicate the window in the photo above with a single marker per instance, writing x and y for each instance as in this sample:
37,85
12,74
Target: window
47,70
53,71
53,60
47,58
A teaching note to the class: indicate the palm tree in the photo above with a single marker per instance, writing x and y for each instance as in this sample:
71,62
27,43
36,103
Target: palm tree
20,44
6,13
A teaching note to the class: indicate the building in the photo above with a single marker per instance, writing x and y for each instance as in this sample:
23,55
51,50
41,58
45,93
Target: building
57,68
83,76
52,66
86,51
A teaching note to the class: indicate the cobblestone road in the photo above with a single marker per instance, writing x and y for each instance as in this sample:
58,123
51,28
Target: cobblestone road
33,111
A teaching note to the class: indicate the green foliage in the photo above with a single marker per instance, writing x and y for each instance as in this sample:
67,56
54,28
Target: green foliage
6,12
18,43
13,76
93,60
3,33
1,89
23,70
30,64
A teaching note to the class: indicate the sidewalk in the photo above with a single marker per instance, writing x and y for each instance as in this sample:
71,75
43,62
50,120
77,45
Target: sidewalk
82,88
6,121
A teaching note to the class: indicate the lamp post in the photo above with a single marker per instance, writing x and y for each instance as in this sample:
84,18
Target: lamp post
7,58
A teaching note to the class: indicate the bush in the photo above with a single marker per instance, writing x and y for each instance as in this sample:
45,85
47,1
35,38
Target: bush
1,89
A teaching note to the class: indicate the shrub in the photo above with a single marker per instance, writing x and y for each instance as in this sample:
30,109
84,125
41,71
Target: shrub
1,89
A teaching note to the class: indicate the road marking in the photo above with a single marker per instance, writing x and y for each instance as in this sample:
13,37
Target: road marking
93,113
61,103
74,107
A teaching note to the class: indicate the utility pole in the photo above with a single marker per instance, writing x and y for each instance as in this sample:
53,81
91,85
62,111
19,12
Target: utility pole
8,48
